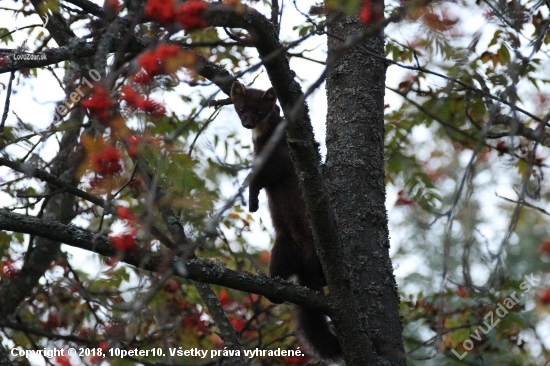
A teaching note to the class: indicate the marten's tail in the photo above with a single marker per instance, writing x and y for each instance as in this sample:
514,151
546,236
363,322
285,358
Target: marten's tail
313,331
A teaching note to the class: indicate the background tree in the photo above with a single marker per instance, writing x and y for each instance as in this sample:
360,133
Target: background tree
154,189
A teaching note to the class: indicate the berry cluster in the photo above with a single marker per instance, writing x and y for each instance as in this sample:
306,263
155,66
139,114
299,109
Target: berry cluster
165,59
189,14
137,101
98,104
107,161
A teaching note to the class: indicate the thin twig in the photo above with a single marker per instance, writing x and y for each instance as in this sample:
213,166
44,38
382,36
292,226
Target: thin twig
527,204
178,131
220,102
31,171
203,127
7,103
454,80
18,29
219,43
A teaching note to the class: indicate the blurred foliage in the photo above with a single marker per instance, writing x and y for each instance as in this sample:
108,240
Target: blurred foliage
459,172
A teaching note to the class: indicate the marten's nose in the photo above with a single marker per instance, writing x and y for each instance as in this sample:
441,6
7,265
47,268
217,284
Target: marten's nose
248,124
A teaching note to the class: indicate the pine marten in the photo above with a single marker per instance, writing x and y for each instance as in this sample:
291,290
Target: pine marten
293,253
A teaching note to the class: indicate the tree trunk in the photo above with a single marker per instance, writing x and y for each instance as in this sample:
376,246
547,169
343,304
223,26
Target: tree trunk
354,177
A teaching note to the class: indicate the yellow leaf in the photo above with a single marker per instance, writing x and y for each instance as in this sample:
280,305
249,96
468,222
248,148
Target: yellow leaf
523,168
486,57
92,144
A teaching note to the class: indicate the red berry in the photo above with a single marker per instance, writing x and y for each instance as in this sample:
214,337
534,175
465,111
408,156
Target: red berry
189,15
98,103
124,242
171,286
62,361
545,248
160,10
9,270
107,161
125,213
545,296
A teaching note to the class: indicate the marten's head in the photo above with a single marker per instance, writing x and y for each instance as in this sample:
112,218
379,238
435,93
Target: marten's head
254,106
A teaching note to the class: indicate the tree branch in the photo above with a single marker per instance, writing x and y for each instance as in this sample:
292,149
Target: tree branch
201,270
29,329
31,171
57,25
515,127
89,7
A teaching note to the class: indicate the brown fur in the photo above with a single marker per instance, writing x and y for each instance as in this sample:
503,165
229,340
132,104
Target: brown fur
293,252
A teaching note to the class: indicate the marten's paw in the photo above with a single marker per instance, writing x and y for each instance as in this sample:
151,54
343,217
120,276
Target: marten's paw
253,204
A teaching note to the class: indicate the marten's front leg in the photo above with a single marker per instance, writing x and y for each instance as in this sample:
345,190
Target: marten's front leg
253,193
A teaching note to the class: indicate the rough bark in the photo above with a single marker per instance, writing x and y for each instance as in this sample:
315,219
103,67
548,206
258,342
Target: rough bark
354,176
4,357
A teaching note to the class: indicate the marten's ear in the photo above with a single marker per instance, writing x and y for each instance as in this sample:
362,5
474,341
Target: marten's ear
269,96
237,91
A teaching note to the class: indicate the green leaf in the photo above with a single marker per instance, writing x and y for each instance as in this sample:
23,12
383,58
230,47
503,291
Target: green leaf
504,55
496,38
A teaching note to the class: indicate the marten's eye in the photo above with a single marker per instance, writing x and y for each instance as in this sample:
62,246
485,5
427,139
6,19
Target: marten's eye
241,110
259,112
